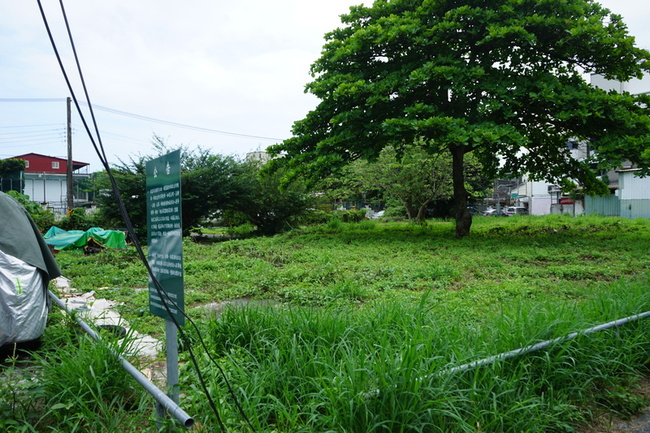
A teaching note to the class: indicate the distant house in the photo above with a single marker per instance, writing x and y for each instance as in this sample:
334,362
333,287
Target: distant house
630,196
542,197
45,180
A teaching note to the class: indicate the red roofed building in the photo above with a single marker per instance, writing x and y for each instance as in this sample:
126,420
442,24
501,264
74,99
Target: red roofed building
45,180
37,163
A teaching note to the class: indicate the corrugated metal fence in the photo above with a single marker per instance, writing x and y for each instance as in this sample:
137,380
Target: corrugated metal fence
609,205
639,208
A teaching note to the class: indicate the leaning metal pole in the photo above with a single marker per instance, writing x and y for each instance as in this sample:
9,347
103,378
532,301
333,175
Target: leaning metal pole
527,349
173,409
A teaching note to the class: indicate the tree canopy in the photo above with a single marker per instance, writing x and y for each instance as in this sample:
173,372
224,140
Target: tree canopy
502,79
209,182
211,185
417,181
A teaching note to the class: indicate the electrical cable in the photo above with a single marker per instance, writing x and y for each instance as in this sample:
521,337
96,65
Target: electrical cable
33,132
32,99
102,156
120,203
29,126
146,118
101,153
181,125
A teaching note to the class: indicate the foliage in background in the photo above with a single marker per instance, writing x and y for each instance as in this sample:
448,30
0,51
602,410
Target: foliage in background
43,218
77,219
414,179
209,181
348,186
272,207
10,170
130,179
417,179
503,80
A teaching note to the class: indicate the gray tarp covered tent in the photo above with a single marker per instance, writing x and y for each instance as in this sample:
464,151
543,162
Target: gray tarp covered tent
26,267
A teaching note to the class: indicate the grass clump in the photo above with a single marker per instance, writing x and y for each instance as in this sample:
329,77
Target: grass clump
74,384
368,316
382,367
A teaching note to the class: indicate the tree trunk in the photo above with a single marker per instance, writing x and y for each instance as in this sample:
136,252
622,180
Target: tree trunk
422,213
410,210
463,217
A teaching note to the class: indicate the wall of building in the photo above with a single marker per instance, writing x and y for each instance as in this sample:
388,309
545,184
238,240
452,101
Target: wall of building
540,206
39,163
634,86
634,195
51,189
46,188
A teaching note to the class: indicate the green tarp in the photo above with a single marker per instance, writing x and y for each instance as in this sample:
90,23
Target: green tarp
65,240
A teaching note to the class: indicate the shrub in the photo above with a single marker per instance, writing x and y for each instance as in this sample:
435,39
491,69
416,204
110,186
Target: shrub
43,218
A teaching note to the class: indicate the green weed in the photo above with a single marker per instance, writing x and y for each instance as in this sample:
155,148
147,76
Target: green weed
366,316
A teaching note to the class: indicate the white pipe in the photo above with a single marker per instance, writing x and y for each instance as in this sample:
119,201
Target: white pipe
162,398
527,349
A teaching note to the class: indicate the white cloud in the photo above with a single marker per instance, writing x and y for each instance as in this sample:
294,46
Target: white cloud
237,66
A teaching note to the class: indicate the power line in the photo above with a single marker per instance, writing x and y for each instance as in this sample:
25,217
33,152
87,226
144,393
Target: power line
30,126
179,125
34,133
32,99
146,118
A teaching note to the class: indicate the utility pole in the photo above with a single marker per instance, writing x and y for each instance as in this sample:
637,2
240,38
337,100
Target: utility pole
70,186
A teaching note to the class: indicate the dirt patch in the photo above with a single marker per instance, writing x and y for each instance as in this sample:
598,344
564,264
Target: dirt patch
609,423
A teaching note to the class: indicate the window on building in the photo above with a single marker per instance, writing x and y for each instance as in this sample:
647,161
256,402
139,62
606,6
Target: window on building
26,164
55,164
573,145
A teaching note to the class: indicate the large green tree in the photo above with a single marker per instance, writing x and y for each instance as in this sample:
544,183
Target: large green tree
502,79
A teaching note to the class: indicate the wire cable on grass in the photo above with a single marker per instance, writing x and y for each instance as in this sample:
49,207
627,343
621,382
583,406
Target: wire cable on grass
164,296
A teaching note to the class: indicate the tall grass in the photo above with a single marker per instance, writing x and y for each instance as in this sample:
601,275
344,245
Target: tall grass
367,318
378,368
76,385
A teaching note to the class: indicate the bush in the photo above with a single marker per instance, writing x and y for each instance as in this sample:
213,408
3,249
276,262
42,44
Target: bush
77,219
43,218
397,212
241,231
317,216
353,215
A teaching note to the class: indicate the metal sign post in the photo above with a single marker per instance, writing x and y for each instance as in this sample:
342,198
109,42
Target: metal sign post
165,234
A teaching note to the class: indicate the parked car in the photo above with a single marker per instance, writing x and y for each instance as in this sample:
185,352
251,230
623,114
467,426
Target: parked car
516,210
494,212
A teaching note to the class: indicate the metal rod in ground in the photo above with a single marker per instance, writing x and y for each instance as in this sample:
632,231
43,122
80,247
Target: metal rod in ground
172,408
171,342
527,349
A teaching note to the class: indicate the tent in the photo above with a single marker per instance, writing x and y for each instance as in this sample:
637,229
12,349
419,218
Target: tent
26,267
64,240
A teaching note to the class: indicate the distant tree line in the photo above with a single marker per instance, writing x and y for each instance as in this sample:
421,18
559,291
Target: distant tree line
228,191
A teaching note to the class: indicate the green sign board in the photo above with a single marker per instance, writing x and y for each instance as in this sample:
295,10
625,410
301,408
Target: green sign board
165,235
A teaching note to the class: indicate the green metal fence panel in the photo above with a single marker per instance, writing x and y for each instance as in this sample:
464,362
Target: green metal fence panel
609,205
635,208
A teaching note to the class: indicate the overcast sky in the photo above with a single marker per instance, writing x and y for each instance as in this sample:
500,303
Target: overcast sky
237,68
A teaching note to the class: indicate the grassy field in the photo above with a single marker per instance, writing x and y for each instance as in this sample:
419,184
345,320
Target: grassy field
360,321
